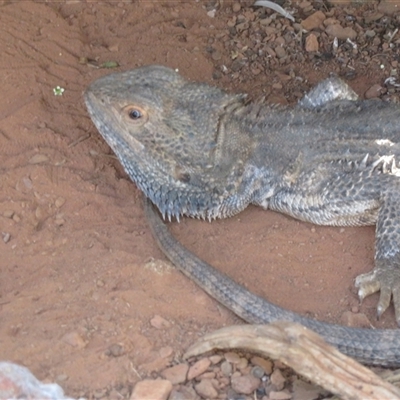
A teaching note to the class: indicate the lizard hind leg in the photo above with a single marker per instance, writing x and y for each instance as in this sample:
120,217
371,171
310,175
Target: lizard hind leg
385,277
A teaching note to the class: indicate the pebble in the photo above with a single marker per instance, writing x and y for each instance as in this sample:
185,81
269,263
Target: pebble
373,92
8,213
242,364
313,21
280,52
279,395
150,389
159,322
336,30
206,389
38,158
355,320
6,237
257,372
389,7
236,7
59,202
311,43
215,359
211,13
115,350
306,391
74,339
277,380
245,384
266,365
232,357
176,374
183,393
226,368
165,351
216,55
198,368
370,33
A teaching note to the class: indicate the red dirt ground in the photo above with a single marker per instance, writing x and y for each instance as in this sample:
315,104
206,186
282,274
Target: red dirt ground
80,271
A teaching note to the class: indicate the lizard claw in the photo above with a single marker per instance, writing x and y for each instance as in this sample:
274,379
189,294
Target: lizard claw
386,280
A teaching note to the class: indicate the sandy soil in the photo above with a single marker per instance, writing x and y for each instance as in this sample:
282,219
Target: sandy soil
81,277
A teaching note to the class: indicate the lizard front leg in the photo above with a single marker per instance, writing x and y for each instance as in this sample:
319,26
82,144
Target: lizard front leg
354,198
385,277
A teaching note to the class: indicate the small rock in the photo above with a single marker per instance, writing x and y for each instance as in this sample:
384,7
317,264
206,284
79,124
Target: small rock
38,158
246,384
115,350
277,380
257,372
166,351
313,21
59,221
266,365
237,65
242,364
370,33
306,391
304,4
183,393
100,283
59,202
340,2
8,213
336,30
355,320
211,13
176,374
216,55
373,17
277,99
6,236
198,368
226,368
158,389
159,322
62,378
389,7
206,389
232,357
74,339
215,359
373,92
236,7
311,43
279,395
114,47
280,52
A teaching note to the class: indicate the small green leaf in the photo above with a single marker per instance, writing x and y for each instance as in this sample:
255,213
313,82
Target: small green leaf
109,64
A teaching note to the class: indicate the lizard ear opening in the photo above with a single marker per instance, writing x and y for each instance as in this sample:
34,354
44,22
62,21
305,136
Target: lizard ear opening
135,114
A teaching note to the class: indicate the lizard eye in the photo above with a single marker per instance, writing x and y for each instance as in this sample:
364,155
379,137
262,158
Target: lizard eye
136,114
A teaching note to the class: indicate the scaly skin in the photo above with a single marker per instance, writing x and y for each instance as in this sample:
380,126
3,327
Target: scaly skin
195,150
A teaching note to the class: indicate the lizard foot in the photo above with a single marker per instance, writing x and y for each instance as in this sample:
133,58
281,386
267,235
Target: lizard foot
385,279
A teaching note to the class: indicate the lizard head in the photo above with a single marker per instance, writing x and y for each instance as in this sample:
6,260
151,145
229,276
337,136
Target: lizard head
168,132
